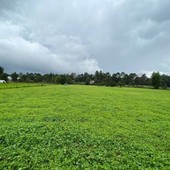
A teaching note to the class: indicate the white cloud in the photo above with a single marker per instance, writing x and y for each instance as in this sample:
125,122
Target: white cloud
57,53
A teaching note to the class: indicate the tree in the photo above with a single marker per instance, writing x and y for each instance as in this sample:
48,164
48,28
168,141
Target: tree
14,76
87,81
4,76
63,79
1,70
156,79
132,77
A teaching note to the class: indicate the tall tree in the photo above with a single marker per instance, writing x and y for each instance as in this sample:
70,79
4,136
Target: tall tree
1,70
4,76
87,81
156,79
14,76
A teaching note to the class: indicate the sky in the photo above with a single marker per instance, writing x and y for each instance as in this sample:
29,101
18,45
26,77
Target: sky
65,36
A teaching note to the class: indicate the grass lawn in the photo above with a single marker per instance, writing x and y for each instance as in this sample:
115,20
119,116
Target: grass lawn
84,127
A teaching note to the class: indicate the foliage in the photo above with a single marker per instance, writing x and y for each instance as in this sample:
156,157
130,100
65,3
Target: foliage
1,70
156,79
1,73
100,78
87,81
84,127
14,76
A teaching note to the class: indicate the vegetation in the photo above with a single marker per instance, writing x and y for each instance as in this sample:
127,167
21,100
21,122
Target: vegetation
1,70
3,75
99,78
156,79
84,127
19,85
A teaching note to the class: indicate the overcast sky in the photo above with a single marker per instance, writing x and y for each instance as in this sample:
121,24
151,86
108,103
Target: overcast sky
64,36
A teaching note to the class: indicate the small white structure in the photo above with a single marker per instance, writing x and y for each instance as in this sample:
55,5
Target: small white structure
91,82
9,78
2,81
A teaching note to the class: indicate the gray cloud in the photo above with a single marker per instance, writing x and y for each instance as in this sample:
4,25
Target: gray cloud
7,4
78,36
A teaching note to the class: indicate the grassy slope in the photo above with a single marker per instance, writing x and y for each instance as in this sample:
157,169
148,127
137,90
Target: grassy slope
82,127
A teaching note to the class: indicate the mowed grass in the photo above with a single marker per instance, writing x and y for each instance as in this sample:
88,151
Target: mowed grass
84,127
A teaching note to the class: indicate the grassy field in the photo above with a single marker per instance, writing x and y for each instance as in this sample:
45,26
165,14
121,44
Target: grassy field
18,85
84,127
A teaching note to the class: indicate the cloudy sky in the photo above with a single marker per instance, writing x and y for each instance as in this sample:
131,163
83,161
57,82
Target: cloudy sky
63,36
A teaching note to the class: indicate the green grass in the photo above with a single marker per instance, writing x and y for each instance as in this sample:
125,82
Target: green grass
84,127
18,85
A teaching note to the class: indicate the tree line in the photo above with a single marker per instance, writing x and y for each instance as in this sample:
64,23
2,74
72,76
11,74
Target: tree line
99,78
